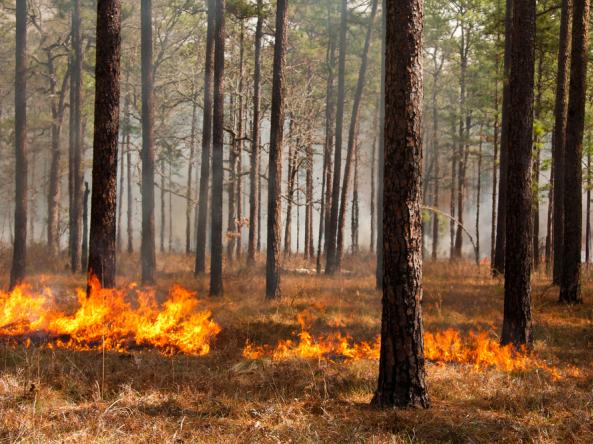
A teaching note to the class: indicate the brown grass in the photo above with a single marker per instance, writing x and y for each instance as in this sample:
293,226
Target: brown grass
143,397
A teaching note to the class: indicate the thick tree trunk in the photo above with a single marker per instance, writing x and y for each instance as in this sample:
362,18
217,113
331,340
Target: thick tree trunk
254,201
517,325
275,159
401,365
19,254
104,198
200,265
559,137
216,287
147,253
354,123
498,266
330,260
570,283
75,164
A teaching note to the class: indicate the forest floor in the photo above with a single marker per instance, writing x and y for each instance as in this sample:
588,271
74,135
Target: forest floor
67,396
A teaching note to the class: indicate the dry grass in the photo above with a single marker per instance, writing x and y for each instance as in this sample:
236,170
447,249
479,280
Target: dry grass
63,396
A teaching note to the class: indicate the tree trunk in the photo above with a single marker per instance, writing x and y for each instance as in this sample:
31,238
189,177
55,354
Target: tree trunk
570,284
517,325
239,221
355,206
147,253
309,248
401,365
292,172
85,226
381,175
588,207
498,266
104,198
536,161
354,123
216,287
231,187
479,194
254,201
275,159
128,131
163,204
373,204
559,137
75,164
435,147
19,255
200,265
495,161
330,265
190,172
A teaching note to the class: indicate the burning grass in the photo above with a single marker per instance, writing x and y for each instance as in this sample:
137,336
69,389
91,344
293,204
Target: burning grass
61,395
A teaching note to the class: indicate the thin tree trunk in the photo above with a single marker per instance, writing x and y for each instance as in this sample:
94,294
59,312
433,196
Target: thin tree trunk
19,255
85,225
292,172
380,267
163,205
102,252
216,287
354,124
373,205
355,206
75,165
436,148
479,193
401,366
129,172
570,284
498,266
275,159
239,222
517,325
588,210
190,171
330,266
254,201
495,162
232,187
559,136
170,212
200,265
536,161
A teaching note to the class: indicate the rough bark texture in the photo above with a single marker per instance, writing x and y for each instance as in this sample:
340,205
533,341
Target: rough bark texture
352,134
516,328
330,262
499,256
254,201
200,265
75,164
275,159
401,366
570,283
147,252
381,157
216,287
559,137
19,254
104,196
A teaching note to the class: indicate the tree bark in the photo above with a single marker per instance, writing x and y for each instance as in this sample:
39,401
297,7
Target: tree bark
401,366
19,254
381,158
254,201
130,202
190,172
330,265
200,265
588,205
85,225
517,323
498,266
216,287
239,187
354,123
570,283
559,136
102,254
75,164
536,161
275,158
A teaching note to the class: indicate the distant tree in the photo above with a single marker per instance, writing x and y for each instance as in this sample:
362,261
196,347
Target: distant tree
147,252
102,248
216,287
570,284
275,158
200,265
559,136
19,255
401,365
517,325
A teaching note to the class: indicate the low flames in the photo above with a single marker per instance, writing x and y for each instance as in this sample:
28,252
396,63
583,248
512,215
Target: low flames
108,321
478,350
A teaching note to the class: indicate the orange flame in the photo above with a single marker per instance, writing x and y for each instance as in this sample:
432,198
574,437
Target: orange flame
477,349
106,320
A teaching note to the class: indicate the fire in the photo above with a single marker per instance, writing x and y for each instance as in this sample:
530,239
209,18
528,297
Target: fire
108,321
479,350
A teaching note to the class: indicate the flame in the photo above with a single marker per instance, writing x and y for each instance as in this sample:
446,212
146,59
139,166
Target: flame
106,320
477,349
